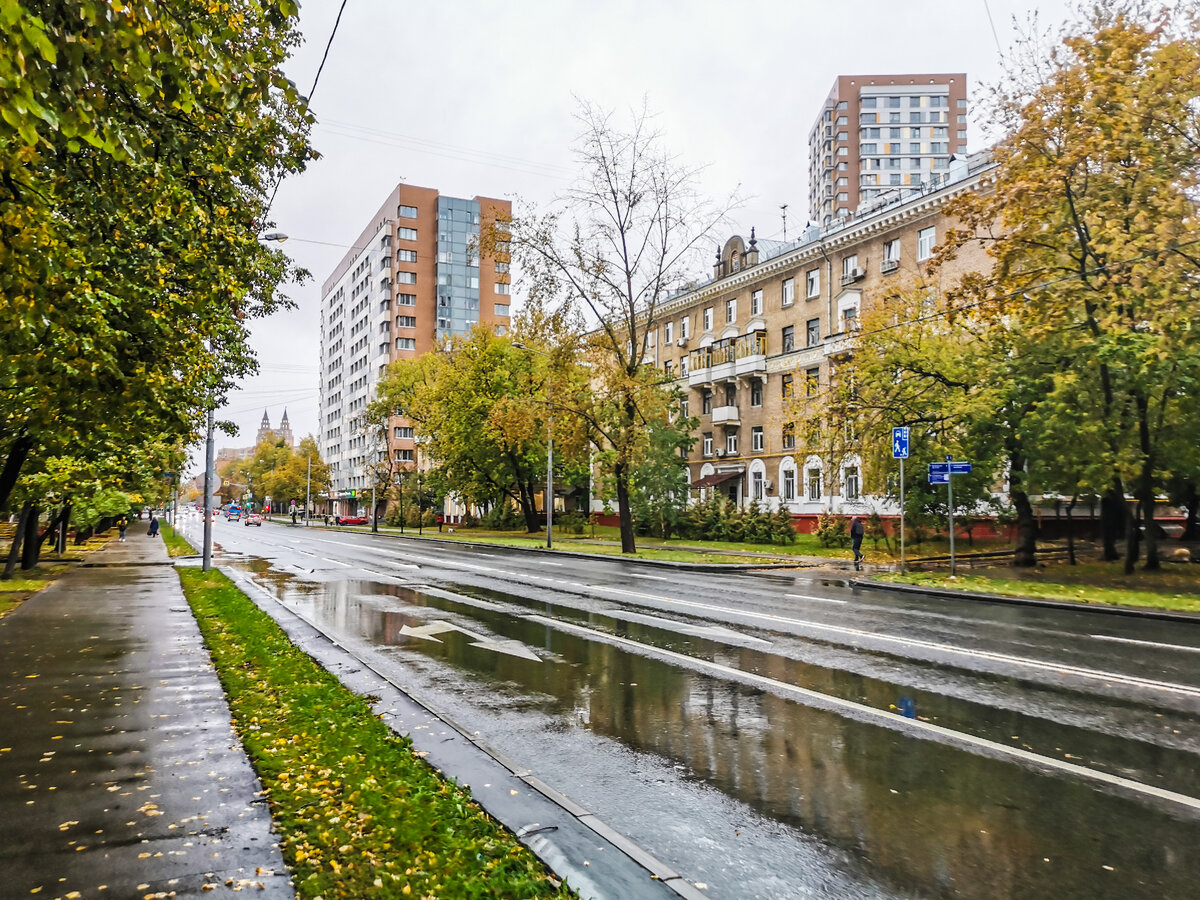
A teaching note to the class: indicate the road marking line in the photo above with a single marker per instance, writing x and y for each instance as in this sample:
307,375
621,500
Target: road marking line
888,719
1123,640
644,575
809,597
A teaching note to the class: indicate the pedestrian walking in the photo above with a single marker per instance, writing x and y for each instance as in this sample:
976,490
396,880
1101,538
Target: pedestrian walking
856,539
153,532
122,527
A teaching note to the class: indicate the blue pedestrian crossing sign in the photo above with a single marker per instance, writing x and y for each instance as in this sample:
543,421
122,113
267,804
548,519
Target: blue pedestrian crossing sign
900,443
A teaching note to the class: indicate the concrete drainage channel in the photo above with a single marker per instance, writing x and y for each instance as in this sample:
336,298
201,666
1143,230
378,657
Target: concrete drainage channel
597,862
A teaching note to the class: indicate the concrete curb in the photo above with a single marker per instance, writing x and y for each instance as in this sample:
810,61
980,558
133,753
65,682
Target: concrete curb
1034,602
342,662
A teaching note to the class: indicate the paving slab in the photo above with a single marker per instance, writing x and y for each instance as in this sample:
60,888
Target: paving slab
120,772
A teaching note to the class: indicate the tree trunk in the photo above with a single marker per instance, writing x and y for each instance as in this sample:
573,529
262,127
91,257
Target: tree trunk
29,553
626,514
1112,518
18,452
1150,530
1131,540
529,509
1025,552
63,523
1071,529
14,552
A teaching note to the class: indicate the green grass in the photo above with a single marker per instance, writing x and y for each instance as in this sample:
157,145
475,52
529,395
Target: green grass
23,586
1174,588
360,814
177,544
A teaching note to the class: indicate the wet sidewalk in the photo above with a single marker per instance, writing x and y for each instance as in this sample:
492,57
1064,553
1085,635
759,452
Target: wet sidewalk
120,773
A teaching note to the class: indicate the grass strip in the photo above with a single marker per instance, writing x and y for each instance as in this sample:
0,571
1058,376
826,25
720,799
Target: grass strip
360,814
1072,592
177,544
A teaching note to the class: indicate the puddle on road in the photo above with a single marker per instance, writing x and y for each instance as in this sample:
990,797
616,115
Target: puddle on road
934,820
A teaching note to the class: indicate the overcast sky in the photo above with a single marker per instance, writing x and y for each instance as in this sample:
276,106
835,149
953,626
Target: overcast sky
477,98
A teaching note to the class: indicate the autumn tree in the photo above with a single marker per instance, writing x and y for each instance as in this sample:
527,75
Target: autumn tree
1092,223
613,248
138,148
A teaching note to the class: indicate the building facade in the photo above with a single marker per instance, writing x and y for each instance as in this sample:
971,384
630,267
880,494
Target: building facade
414,277
775,324
879,138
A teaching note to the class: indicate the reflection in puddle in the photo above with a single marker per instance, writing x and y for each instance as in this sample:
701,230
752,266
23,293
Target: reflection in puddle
936,820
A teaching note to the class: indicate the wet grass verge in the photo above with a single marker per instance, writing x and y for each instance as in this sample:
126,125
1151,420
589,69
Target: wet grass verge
360,814
1090,584
177,544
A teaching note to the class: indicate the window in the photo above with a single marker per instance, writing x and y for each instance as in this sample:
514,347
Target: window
789,485
868,118
730,393
756,392
894,178
408,212
914,147
843,105
404,456
407,234
406,277
708,318
683,403
683,365
893,102
812,282
812,381
891,250
756,439
788,437
786,386
850,482
500,288
685,326
705,402
731,443
868,149
406,344
668,367
849,265
941,162
669,332
812,329
842,136
789,338
843,198
406,256
850,318
404,432
730,311
406,299
926,238
842,120
962,135
500,309
939,147
756,303
961,104
916,117
708,443
502,268
406,321
868,102
843,182
814,484
893,118
789,292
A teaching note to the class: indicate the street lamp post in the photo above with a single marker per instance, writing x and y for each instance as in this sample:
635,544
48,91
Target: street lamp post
549,499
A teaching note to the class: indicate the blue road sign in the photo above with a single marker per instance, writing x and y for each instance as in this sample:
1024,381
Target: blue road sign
960,468
939,477
939,469
900,443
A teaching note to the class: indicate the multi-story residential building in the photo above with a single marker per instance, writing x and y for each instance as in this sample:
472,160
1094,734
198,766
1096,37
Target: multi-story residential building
776,322
881,137
414,277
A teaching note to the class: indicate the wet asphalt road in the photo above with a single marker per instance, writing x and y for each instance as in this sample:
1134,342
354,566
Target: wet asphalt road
770,735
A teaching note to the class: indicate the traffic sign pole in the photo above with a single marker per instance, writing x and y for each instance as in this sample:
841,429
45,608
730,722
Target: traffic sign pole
950,503
900,452
902,515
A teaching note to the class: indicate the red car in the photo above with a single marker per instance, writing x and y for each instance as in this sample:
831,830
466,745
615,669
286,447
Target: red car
350,520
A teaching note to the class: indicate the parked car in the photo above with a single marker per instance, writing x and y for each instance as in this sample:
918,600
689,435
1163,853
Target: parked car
252,519
350,520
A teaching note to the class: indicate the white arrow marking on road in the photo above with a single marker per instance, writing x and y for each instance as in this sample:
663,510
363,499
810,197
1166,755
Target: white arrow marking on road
496,645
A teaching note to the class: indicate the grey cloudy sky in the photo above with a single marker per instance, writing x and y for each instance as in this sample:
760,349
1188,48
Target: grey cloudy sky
478,97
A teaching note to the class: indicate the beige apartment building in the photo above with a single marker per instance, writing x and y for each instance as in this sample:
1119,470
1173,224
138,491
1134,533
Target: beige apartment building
414,277
769,327
879,138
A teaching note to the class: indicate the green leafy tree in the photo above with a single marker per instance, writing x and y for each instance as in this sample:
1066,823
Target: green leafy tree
1092,224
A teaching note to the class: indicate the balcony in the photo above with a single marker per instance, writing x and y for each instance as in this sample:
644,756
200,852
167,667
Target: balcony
726,415
750,353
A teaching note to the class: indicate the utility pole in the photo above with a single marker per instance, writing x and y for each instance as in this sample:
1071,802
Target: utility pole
206,556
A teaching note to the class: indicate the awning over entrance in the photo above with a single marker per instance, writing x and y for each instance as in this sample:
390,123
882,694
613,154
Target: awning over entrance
711,480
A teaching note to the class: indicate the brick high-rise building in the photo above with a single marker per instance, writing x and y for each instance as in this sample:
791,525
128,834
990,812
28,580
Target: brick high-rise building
878,138
414,277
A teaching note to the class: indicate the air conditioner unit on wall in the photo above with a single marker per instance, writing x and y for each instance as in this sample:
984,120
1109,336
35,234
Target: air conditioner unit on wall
682,342
769,485
720,451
